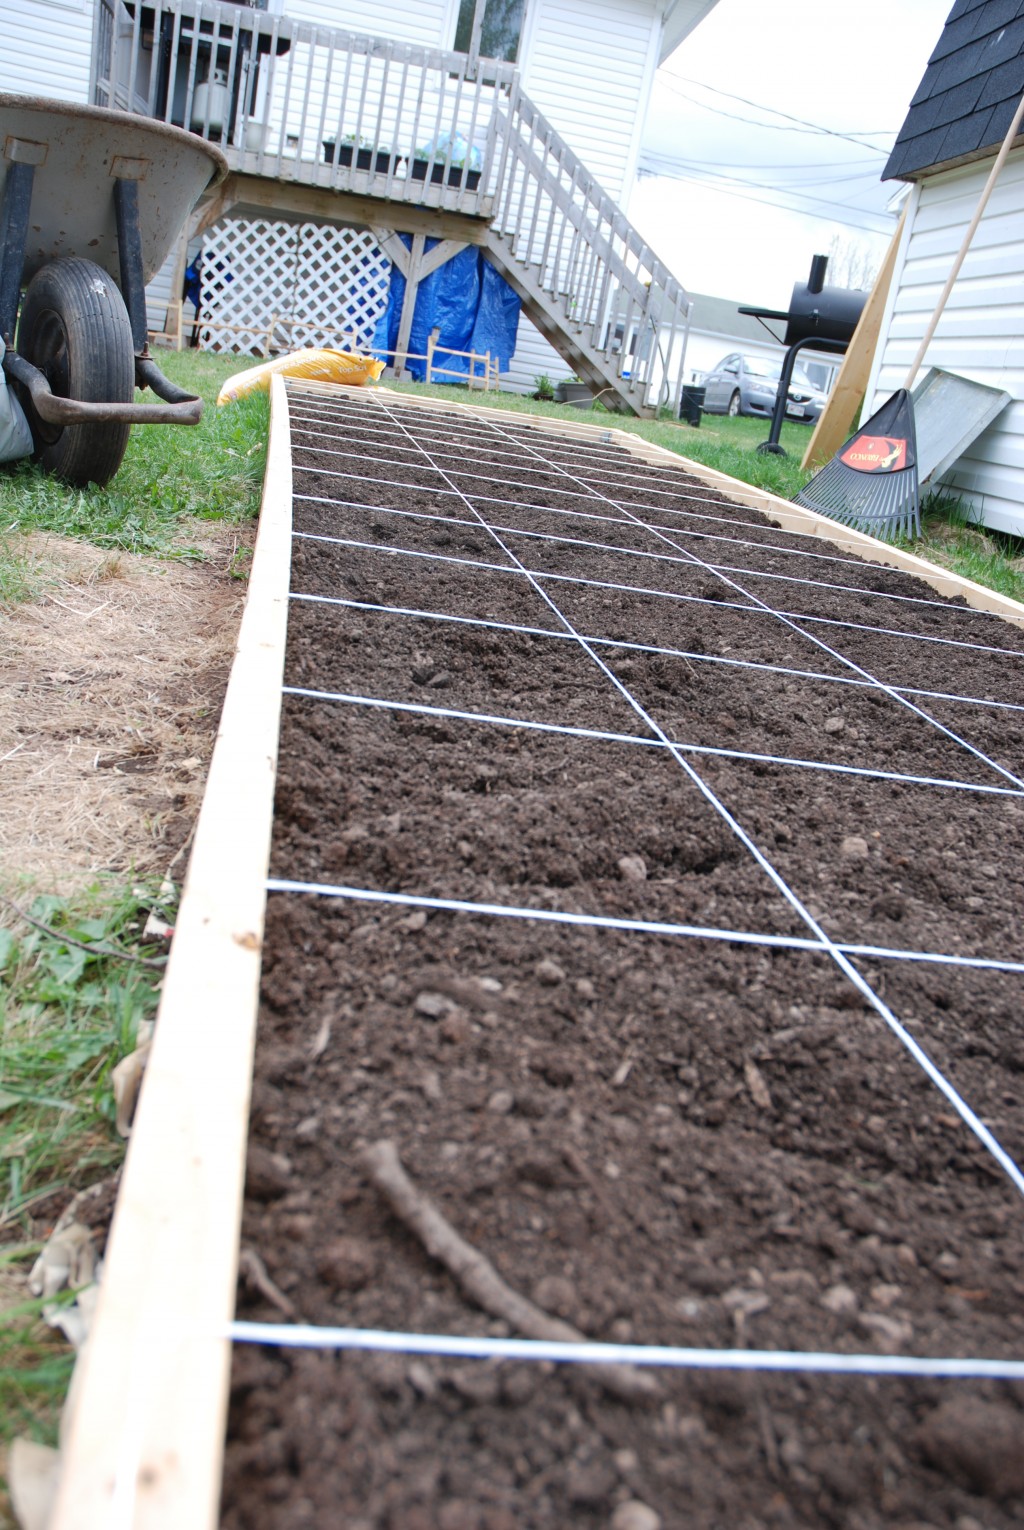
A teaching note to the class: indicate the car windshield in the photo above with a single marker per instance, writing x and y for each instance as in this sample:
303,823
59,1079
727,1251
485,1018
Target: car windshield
760,366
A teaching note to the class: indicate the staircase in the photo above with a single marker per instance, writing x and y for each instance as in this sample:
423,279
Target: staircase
591,285
410,139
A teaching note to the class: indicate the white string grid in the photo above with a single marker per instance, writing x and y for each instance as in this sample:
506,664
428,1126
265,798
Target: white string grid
497,720
818,941
751,605
783,616
683,559
691,655
677,493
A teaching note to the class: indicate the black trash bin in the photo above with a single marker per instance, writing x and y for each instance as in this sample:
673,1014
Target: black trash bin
691,404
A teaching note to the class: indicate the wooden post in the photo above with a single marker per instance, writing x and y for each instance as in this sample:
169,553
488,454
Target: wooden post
836,419
412,287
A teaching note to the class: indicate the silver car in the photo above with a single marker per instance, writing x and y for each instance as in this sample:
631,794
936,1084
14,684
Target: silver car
749,385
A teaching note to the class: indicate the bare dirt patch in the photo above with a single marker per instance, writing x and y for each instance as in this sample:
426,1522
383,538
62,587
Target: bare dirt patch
111,682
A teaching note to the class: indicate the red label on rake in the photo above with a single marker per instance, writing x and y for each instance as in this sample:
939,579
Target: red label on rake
876,454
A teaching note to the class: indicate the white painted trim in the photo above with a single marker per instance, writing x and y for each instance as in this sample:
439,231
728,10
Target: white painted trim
640,120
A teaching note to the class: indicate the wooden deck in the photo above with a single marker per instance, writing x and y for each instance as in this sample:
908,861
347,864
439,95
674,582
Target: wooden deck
369,132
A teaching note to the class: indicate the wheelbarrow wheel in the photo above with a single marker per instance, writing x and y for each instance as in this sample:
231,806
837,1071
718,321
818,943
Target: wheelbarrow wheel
75,328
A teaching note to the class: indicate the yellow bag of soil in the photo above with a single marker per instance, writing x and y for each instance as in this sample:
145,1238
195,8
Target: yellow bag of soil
321,366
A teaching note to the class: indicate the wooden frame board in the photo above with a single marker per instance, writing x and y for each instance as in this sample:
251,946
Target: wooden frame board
144,1427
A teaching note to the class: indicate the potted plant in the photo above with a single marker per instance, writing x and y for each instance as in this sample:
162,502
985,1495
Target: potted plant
573,390
464,158
361,151
544,389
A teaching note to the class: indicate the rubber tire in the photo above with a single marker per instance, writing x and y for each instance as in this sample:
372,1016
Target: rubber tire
75,328
734,405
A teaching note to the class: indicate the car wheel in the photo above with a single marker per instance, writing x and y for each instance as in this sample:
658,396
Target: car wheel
734,404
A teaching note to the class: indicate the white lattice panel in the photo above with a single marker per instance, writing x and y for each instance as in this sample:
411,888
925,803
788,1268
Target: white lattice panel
341,287
248,277
276,286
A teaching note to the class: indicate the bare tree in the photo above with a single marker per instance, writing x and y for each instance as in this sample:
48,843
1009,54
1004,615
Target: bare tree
852,263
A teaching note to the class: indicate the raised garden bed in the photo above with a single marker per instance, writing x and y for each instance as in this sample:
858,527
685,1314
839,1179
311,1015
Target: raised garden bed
658,1138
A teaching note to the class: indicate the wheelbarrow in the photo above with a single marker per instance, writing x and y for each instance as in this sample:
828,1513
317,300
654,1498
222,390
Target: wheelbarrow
91,202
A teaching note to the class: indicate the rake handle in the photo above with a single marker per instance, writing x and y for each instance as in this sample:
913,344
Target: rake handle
993,174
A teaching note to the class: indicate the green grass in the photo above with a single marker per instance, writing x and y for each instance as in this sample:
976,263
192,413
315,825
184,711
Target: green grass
35,1365
67,1017
19,578
172,475
950,536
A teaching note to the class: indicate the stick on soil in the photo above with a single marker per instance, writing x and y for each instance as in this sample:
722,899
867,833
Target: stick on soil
477,1276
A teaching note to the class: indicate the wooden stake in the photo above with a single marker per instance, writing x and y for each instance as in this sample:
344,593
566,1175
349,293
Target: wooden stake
836,420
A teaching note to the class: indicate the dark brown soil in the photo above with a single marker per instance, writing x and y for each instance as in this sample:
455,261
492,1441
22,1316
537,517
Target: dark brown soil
659,1138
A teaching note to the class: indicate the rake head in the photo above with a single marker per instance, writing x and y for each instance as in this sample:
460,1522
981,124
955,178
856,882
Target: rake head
871,483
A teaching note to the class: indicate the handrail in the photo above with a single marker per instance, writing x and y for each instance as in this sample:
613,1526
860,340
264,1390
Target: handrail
608,283
396,121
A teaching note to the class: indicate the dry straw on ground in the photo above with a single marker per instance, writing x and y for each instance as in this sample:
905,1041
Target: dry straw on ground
111,681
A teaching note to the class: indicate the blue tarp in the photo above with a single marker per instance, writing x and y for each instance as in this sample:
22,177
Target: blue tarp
466,300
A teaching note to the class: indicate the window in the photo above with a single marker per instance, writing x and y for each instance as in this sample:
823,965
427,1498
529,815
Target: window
490,28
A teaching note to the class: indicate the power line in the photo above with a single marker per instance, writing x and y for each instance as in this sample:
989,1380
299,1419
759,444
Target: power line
838,166
671,171
773,111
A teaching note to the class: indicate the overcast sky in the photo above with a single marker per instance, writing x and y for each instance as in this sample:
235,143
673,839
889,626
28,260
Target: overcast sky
746,195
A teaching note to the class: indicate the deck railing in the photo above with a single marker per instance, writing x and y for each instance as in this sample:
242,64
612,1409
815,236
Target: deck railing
604,280
311,104
335,109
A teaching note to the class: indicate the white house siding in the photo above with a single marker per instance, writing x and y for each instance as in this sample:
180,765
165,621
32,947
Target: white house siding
588,66
423,23
981,332
47,48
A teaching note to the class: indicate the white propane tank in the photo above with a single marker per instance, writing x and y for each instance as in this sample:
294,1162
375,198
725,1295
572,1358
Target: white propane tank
212,96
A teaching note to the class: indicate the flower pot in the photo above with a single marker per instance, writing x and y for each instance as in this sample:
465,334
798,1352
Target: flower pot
419,167
379,163
577,393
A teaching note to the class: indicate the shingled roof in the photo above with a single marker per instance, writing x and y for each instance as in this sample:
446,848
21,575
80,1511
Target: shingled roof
970,90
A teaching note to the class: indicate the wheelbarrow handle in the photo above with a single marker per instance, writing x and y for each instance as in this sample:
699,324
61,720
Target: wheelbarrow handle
68,411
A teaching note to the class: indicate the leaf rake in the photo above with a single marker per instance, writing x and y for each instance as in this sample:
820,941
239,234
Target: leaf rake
871,483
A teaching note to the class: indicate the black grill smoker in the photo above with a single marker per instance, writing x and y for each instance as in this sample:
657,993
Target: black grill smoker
818,316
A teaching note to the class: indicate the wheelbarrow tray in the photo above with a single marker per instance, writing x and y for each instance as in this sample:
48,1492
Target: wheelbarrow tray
78,153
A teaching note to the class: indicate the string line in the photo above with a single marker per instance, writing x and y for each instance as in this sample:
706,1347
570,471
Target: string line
668,1356
640,926
753,605
497,719
683,558
652,648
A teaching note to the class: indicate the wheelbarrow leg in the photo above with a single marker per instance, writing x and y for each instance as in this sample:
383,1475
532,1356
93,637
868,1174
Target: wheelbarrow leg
129,251
13,234
133,290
